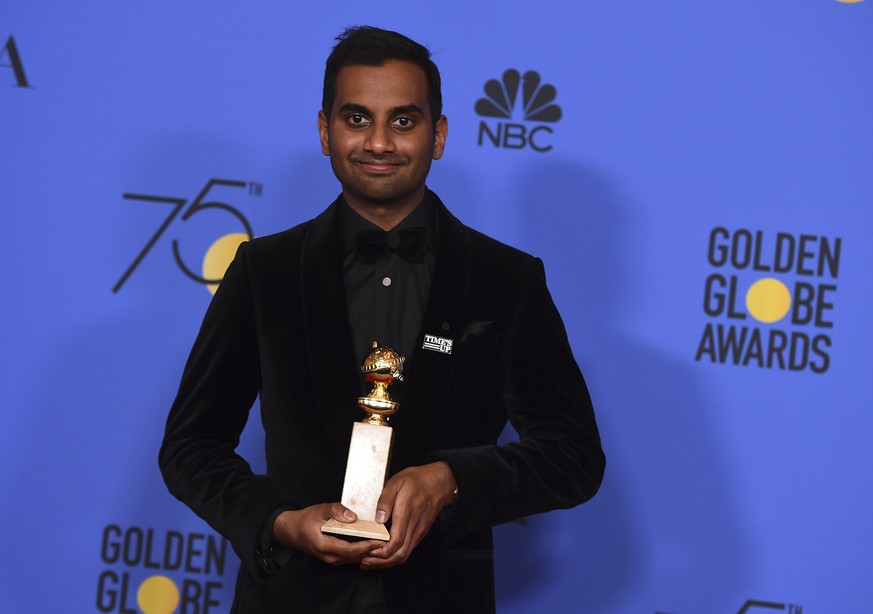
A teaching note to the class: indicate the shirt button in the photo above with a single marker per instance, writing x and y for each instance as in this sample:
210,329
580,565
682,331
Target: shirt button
386,281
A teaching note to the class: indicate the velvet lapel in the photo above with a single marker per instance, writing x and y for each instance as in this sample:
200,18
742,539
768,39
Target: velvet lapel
427,385
335,374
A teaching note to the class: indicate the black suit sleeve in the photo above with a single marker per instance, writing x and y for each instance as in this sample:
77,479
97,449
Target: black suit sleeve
219,385
558,461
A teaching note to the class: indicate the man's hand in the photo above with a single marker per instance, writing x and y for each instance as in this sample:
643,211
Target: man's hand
413,498
301,530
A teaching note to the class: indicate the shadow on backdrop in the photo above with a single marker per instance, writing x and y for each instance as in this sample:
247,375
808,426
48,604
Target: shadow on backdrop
664,512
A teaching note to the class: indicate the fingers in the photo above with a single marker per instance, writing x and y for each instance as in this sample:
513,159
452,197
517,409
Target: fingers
408,528
396,551
340,512
335,551
301,529
385,505
413,499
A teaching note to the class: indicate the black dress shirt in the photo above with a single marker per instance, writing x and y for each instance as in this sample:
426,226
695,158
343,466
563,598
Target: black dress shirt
385,299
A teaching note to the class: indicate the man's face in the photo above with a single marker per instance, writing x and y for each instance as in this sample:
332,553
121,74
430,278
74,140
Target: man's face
380,135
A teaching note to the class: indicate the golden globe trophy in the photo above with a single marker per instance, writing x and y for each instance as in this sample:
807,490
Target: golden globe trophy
370,448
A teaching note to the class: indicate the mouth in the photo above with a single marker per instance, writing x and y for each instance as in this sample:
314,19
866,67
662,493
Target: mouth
374,165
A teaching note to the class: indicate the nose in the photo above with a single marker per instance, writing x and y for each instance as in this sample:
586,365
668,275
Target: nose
380,139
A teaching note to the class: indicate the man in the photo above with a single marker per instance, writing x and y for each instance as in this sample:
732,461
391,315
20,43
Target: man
294,318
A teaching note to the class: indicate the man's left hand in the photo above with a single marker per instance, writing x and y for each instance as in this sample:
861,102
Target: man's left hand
413,499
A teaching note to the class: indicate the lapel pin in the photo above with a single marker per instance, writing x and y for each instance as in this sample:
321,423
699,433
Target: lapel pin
437,344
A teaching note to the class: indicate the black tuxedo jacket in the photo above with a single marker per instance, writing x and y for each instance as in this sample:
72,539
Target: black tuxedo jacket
278,327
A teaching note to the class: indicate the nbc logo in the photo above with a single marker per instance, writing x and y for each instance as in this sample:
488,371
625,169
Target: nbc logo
501,102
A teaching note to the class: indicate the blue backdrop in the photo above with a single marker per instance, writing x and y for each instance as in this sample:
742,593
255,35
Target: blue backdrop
695,175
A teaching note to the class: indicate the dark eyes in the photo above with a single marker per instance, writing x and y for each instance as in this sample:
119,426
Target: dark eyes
358,120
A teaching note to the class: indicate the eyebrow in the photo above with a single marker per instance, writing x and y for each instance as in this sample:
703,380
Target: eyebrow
401,110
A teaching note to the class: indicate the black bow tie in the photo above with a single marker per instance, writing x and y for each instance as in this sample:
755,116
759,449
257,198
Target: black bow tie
409,243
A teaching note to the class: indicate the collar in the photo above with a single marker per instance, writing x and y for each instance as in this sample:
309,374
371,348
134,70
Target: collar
351,222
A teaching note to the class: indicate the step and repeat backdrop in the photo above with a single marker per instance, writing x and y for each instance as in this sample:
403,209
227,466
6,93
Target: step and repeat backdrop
697,177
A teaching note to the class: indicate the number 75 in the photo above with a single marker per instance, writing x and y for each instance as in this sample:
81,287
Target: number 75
197,205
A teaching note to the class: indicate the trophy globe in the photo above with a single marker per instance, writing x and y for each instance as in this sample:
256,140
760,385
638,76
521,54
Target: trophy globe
382,367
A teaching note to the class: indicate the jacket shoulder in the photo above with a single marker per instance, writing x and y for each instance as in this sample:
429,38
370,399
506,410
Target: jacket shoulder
291,241
482,246
282,240
489,246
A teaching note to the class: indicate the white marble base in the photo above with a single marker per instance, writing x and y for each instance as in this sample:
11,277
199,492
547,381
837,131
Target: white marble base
369,452
365,529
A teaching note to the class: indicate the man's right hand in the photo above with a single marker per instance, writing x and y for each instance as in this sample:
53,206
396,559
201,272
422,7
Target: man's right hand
301,530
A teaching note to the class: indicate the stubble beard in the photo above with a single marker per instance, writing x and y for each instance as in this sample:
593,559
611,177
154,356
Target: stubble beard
375,189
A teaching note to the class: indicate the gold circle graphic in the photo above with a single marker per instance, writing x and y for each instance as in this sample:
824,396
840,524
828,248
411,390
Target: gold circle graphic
850,1
219,255
768,300
158,595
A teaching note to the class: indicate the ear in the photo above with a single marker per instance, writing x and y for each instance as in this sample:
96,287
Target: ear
323,133
440,132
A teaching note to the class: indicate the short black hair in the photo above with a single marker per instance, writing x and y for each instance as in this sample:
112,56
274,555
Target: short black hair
370,46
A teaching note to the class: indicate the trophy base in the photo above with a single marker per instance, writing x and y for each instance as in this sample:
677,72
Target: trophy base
360,529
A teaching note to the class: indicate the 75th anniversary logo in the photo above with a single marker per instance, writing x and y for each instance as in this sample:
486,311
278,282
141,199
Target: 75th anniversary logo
219,253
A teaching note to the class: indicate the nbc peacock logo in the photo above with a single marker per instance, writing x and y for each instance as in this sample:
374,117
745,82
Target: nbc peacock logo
513,99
